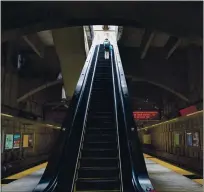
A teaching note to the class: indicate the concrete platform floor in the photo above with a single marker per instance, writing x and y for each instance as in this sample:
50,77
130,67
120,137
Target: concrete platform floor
165,180
162,178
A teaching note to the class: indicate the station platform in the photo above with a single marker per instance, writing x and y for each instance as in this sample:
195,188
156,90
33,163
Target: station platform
165,177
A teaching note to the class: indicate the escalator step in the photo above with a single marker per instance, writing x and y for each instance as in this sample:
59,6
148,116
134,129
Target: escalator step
100,145
101,96
102,116
98,172
104,79
96,121
99,162
106,118
100,138
103,75
101,131
100,124
102,90
95,105
100,113
105,184
105,102
99,153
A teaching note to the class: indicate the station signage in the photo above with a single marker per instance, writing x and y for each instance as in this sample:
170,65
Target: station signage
16,141
188,110
9,141
146,115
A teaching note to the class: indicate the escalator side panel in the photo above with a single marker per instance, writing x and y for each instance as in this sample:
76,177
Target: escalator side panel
70,156
98,168
135,164
49,178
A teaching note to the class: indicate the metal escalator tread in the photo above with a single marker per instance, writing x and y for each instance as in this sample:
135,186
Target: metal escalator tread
98,172
98,184
98,168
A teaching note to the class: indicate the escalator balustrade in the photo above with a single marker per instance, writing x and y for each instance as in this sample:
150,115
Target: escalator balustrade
98,168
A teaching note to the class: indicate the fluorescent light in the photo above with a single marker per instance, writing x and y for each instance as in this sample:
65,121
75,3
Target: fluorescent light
49,125
175,119
6,115
194,113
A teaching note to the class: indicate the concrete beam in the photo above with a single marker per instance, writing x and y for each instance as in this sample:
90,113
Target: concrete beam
172,45
86,41
161,16
179,95
146,42
35,43
120,32
38,89
69,44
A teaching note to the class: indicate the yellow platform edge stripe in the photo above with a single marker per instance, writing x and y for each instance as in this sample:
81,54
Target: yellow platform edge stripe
171,120
163,163
27,172
200,181
173,167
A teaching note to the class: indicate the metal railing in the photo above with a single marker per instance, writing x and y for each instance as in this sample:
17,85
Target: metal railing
50,178
135,168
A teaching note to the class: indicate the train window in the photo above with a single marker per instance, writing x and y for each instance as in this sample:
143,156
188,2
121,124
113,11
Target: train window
177,137
189,139
169,126
147,139
28,140
9,141
16,141
196,139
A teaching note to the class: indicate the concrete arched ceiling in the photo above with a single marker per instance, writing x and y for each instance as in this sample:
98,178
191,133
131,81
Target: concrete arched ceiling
177,94
175,18
134,79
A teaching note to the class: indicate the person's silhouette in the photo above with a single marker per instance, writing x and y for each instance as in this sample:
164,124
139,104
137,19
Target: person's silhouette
107,48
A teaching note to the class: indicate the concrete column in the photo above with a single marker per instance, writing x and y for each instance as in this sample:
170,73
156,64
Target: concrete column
69,44
86,43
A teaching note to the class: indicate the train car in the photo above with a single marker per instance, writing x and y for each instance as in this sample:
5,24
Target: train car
179,141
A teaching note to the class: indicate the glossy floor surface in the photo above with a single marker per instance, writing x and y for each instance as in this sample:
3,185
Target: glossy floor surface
164,176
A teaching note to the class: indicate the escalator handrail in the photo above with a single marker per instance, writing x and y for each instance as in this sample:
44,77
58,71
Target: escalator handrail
68,162
85,115
139,177
67,124
116,116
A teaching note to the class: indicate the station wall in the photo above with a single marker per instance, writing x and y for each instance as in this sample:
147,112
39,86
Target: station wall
179,140
24,144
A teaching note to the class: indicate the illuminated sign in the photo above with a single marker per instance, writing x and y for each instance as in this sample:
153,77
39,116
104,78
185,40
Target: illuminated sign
16,141
146,115
9,141
188,110
28,140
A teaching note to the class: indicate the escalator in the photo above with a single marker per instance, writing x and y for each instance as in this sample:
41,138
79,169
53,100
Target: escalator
99,163
99,149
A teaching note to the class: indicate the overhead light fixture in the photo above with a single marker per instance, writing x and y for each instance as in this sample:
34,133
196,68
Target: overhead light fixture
49,125
194,113
6,115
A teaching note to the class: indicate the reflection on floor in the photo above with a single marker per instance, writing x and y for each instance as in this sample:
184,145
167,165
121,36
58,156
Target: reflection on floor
164,177
176,169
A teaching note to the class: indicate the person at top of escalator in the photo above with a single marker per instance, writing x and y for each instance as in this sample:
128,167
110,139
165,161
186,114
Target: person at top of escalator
107,48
